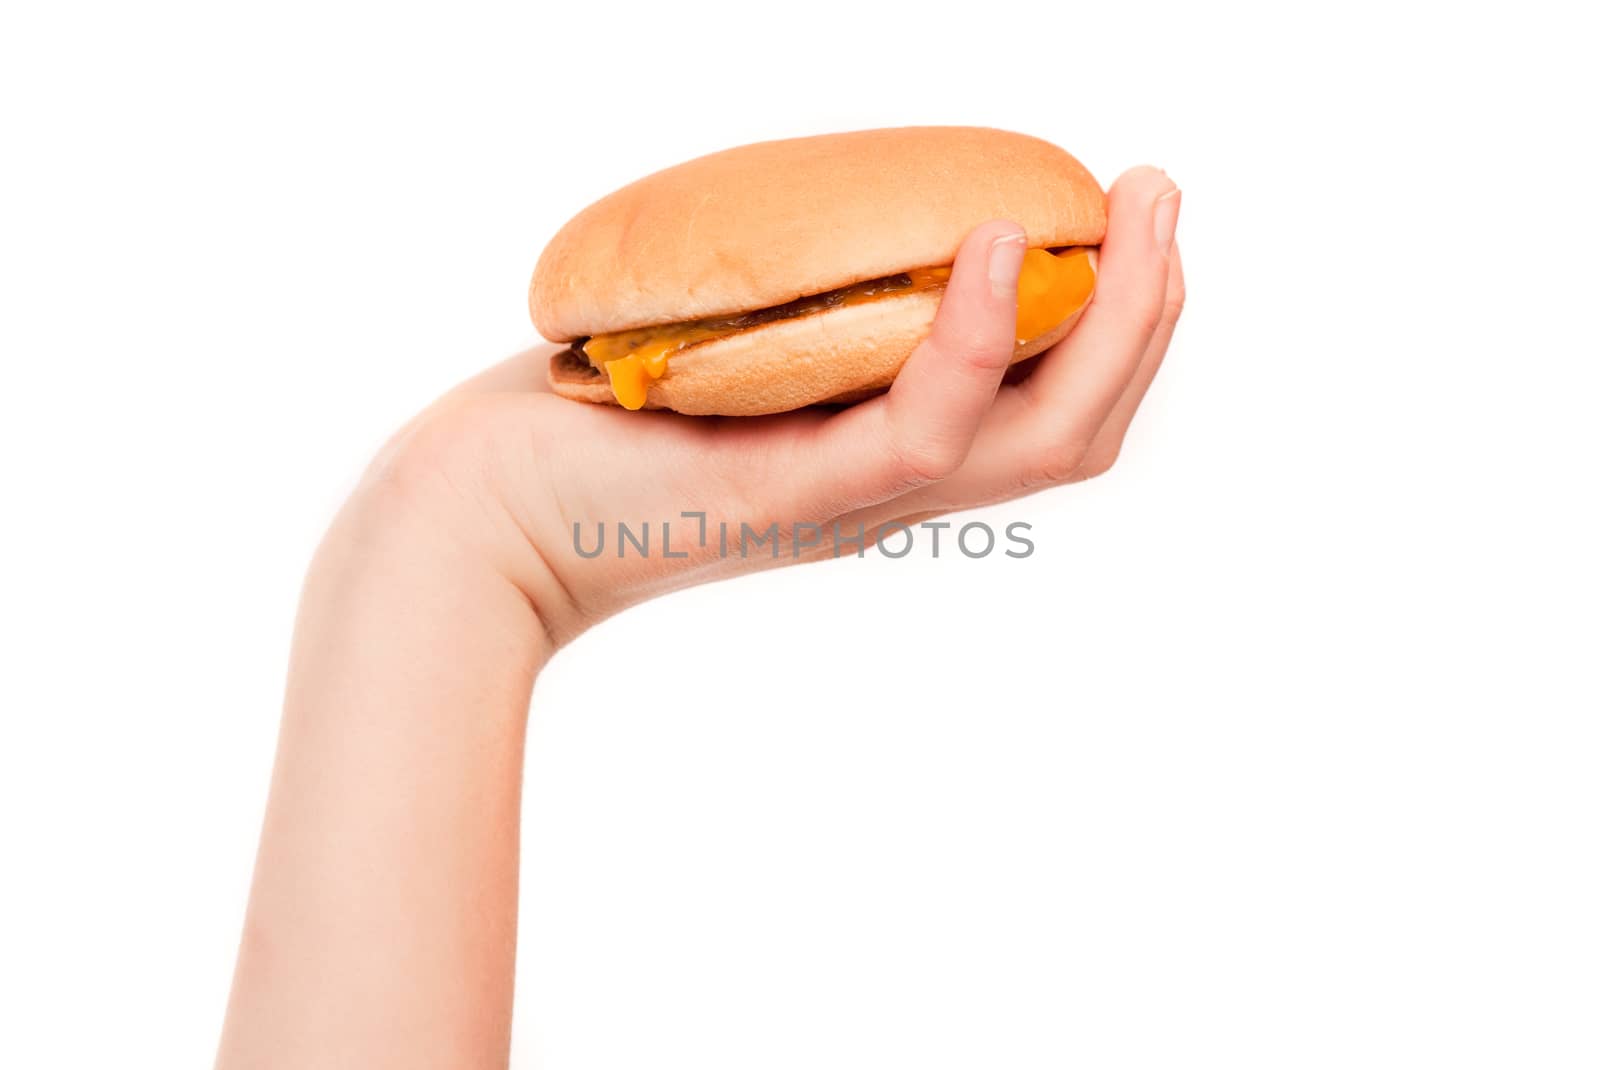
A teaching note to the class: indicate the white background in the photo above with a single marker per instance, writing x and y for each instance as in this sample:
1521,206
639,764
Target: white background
1279,752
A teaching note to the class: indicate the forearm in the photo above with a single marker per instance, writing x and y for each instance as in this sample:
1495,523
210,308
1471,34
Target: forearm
381,925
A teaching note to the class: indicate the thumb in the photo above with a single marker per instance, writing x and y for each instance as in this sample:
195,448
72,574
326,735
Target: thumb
950,380
923,429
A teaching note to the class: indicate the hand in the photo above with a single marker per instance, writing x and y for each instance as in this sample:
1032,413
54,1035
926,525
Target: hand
948,435
382,919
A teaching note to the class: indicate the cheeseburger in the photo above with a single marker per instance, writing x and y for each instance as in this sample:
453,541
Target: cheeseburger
790,273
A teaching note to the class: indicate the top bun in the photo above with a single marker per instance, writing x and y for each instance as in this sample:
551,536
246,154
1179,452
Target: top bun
763,224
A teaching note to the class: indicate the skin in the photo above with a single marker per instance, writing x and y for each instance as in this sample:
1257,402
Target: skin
381,928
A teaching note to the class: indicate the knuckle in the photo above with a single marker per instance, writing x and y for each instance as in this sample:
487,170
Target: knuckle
917,456
923,460
1099,461
1059,463
1173,308
1148,315
1143,312
975,350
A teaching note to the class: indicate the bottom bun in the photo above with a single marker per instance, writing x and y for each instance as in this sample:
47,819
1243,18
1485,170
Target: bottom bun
836,357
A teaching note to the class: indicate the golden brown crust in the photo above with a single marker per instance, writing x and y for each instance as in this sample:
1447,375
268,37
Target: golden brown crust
761,225
842,355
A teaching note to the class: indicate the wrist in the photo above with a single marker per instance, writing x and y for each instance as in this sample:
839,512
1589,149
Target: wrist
456,485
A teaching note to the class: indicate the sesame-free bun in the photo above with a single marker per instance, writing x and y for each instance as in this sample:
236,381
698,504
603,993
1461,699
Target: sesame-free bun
759,226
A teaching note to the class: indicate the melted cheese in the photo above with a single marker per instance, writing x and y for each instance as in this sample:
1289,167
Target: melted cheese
1049,289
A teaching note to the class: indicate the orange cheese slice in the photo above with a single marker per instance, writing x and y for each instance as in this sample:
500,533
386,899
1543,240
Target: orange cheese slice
1050,288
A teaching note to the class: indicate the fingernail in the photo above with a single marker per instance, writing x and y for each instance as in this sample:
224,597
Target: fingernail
1167,219
1005,263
